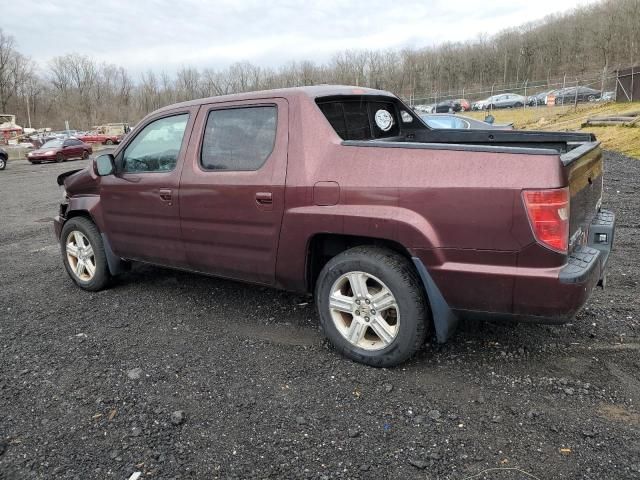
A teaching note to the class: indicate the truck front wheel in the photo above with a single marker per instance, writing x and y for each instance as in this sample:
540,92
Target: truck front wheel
372,306
83,254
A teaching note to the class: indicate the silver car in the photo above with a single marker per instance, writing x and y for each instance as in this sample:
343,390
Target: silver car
504,100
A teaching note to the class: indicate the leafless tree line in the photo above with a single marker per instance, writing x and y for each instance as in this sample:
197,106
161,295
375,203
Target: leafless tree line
602,36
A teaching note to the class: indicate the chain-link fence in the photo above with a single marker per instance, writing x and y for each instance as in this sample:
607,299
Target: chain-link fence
628,84
565,90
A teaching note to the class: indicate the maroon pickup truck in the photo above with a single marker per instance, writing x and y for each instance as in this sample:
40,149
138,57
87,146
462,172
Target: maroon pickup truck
344,192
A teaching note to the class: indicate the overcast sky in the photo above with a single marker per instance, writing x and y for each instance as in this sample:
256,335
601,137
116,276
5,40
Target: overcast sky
166,34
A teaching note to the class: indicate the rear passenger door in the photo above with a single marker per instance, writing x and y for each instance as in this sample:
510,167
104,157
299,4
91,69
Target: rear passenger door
232,189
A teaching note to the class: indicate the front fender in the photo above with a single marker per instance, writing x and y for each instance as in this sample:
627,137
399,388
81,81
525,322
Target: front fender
89,204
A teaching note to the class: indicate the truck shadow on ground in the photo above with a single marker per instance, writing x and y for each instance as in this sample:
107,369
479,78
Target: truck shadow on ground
264,313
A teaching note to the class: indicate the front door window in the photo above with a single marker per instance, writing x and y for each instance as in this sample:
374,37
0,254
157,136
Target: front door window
156,147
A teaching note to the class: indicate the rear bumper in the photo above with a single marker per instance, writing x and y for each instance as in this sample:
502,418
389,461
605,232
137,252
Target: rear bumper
558,297
539,294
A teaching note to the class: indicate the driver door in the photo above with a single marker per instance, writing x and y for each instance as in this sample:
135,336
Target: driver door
141,202
70,149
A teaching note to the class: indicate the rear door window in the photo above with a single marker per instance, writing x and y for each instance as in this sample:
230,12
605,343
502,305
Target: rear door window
239,139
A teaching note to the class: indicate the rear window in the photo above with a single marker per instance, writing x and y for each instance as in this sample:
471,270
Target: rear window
359,119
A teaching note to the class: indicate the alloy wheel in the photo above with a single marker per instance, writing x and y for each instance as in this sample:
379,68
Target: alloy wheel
364,310
80,256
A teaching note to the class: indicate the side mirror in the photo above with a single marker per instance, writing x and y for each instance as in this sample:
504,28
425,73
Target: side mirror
489,119
104,165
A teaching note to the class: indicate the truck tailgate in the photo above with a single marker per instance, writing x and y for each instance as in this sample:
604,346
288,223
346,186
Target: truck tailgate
584,170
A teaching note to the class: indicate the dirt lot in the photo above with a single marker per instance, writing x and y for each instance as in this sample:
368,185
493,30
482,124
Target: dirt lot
91,384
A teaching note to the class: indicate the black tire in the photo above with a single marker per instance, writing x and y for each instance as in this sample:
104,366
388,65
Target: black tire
109,142
518,105
102,276
35,163
399,276
3,163
85,154
59,158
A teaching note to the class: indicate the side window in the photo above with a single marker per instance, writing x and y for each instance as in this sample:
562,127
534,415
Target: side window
239,138
156,147
76,142
362,119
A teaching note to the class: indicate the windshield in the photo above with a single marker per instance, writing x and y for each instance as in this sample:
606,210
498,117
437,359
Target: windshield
52,144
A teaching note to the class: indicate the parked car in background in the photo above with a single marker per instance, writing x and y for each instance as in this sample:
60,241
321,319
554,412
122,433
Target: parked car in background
608,97
103,138
60,150
506,100
448,106
539,98
460,122
480,104
572,94
4,158
465,105
427,108
419,228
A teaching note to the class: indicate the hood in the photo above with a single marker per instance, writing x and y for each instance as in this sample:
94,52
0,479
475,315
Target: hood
62,176
80,182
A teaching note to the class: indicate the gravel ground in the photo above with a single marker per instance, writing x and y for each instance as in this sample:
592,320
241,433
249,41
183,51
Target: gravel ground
181,376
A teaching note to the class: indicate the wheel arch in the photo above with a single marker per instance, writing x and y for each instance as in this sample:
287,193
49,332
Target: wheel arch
322,247
116,264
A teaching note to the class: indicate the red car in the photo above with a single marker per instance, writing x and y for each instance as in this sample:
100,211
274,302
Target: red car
59,150
465,105
342,192
95,137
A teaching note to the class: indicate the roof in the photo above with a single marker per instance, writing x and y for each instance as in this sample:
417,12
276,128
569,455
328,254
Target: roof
310,92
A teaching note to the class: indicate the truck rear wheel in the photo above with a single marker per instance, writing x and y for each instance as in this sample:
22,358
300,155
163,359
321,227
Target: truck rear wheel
372,306
83,254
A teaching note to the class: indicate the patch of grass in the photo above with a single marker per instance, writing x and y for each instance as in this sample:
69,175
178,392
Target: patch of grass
625,140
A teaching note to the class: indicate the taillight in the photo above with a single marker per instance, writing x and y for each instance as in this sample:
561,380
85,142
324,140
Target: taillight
548,212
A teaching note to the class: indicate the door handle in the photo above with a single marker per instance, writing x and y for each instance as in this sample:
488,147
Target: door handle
166,194
264,198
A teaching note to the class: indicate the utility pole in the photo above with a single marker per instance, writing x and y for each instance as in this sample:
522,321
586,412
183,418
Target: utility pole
28,112
504,80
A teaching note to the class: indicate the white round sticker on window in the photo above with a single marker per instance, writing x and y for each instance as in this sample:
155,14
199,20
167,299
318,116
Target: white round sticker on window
384,120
